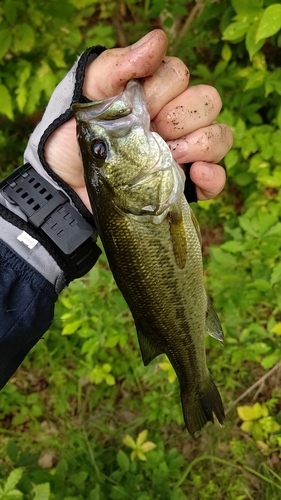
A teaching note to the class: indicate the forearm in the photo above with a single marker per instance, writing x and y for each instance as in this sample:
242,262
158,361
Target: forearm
36,263
27,301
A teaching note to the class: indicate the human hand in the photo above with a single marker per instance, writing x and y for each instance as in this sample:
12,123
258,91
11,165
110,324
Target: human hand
182,115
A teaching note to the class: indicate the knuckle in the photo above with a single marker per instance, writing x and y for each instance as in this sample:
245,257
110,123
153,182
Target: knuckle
176,68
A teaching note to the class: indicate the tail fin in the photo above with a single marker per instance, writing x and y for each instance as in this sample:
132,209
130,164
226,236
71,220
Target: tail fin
200,408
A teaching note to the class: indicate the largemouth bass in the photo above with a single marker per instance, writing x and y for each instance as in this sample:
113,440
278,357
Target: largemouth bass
152,241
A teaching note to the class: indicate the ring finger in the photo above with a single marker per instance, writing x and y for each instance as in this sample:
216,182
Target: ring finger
209,144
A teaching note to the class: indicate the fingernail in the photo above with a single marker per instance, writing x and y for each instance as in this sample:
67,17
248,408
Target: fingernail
142,41
206,172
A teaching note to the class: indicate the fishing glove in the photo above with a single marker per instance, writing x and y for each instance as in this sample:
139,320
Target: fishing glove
41,218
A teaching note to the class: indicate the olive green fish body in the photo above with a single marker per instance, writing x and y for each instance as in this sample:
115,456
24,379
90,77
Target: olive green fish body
151,239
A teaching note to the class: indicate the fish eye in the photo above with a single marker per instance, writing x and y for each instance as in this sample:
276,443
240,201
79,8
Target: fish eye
99,149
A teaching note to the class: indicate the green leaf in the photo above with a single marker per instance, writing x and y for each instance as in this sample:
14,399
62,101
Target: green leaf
231,159
5,40
274,229
6,102
276,277
267,223
257,164
269,425
107,367
42,491
12,451
123,460
233,246
13,479
277,329
71,328
247,426
11,11
223,258
226,52
110,380
235,31
148,446
166,366
261,285
79,479
251,45
273,82
255,80
270,22
243,179
46,78
13,495
247,412
24,38
21,97
270,360
142,437
257,431
252,412
81,4
247,7
129,441
278,117
247,225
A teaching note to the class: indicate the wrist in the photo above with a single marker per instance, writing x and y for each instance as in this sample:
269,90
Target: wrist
47,215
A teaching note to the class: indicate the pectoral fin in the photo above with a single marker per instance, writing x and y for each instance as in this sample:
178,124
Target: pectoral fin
196,225
178,237
149,348
213,326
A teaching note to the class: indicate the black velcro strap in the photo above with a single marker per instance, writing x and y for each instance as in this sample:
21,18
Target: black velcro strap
190,188
49,211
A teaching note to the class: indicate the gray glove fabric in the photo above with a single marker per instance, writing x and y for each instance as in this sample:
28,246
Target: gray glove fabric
58,111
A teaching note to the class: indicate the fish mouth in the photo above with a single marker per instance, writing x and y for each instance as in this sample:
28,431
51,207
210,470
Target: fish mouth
107,109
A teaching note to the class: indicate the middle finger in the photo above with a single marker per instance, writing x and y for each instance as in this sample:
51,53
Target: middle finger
195,108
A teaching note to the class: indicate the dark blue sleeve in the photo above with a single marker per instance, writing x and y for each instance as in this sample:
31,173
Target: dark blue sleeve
26,310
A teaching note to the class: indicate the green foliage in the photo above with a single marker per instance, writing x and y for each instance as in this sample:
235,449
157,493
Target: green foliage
75,416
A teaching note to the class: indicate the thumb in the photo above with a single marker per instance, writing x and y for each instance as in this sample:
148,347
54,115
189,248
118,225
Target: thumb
109,73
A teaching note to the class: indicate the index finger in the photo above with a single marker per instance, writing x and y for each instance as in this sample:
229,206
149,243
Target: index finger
109,73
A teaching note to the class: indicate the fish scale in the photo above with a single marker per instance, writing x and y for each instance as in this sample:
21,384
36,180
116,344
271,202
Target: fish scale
151,239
